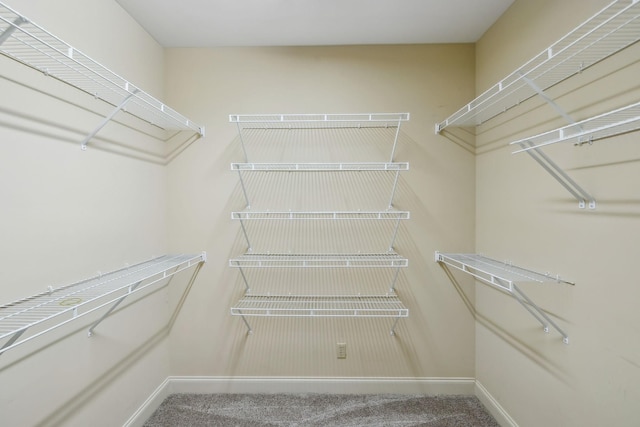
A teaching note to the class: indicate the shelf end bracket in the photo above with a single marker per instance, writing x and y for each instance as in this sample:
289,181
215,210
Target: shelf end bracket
107,119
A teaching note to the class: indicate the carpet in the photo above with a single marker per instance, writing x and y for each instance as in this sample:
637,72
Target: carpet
240,410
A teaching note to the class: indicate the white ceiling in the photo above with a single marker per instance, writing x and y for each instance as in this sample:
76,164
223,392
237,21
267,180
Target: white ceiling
203,23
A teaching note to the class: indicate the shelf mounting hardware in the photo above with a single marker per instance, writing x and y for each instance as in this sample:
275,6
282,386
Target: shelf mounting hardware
107,119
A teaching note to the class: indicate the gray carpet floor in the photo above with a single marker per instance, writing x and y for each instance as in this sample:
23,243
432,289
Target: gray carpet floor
240,410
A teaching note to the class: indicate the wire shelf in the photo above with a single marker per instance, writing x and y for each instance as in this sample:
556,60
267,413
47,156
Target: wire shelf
321,215
505,277
622,120
58,306
609,31
320,306
304,121
30,44
385,260
321,167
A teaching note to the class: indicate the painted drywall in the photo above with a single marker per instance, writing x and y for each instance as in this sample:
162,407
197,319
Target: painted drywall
67,214
525,216
437,340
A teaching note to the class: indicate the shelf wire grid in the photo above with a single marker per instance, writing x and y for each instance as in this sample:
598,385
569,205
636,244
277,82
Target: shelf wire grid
66,302
609,31
30,44
622,120
320,306
321,215
496,273
314,121
319,167
384,260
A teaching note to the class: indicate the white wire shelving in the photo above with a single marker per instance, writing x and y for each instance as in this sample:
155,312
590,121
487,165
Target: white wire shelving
377,306
294,305
610,30
616,122
505,277
396,167
32,45
31,317
319,121
381,260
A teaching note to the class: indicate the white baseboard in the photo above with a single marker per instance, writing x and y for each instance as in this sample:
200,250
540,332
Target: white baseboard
425,386
493,406
150,405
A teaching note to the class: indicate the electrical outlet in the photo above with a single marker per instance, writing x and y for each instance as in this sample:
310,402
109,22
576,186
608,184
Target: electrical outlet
342,350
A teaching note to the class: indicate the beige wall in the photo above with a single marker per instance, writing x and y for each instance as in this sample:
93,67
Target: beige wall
525,216
67,214
437,340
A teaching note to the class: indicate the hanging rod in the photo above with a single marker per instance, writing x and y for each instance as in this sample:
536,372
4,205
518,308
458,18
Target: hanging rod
56,307
610,30
32,45
505,276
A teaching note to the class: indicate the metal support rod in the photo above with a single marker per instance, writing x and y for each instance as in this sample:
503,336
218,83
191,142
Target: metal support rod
244,189
244,150
555,171
549,101
249,329
14,26
393,189
13,339
246,236
395,279
395,141
107,119
395,233
393,327
113,307
244,278
565,337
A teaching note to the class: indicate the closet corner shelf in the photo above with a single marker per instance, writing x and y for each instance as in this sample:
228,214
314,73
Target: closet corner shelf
46,311
30,44
612,29
377,306
504,276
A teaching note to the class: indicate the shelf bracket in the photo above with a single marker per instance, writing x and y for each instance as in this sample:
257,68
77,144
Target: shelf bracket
548,100
246,322
393,189
14,26
107,119
393,327
244,189
113,307
559,175
246,236
532,306
395,234
13,339
392,288
395,141
244,278
244,149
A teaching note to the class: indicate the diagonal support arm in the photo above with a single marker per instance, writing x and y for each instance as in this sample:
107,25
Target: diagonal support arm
107,119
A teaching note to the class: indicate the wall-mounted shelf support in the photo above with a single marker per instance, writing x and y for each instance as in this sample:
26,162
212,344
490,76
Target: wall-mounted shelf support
106,120
56,307
560,175
376,306
32,45
504,277
616,122
387,260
